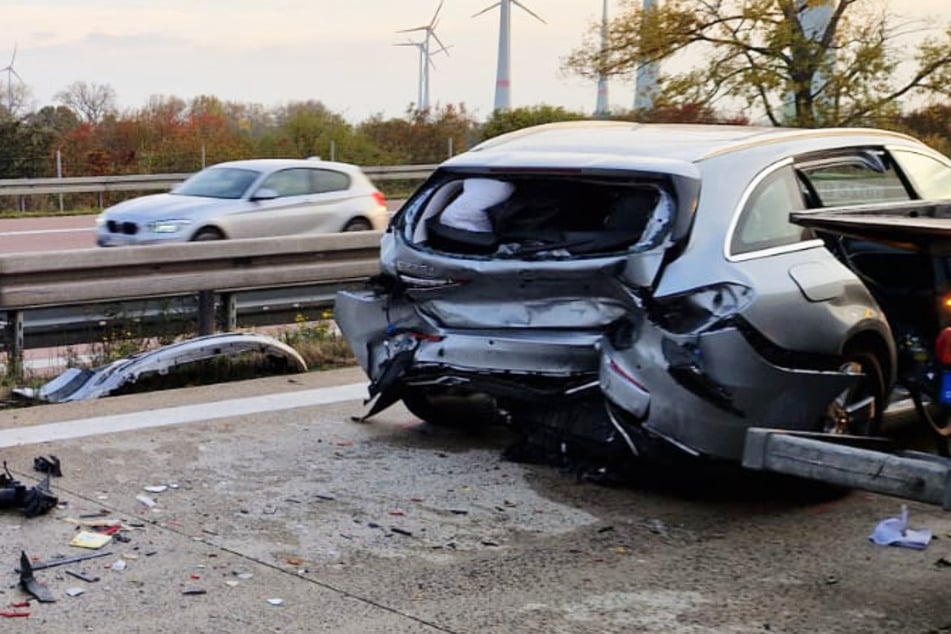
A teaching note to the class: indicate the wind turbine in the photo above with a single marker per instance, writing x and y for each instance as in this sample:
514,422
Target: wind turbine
425,54
601,109
646,84
503,80
11,72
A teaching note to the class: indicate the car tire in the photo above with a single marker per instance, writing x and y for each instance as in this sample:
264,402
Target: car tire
358,224
871,384
207,234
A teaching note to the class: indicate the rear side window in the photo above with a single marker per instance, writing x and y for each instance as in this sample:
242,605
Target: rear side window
764,221
854,182
292,182
324,181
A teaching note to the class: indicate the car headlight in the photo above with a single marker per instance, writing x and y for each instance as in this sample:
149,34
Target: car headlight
168,226
100,220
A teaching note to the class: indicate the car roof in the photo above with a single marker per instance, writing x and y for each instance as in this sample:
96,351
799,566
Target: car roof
680,142
272,164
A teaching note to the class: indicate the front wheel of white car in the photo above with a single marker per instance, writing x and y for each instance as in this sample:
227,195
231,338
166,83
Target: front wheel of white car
207,234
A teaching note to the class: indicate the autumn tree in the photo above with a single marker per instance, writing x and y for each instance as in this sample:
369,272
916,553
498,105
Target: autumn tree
91,101
502,121
798,62
422,136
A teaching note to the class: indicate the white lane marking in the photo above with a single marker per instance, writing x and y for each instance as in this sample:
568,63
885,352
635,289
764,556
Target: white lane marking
81,428
39,232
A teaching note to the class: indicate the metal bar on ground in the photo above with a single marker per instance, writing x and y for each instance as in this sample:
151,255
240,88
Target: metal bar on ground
904,475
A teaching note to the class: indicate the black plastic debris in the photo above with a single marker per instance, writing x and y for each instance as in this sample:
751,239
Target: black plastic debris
50,465
35,500
29,583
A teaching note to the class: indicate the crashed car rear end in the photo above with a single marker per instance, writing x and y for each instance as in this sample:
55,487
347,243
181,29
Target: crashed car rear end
564,319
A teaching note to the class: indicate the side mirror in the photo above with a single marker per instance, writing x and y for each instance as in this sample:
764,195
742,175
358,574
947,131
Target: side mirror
265,193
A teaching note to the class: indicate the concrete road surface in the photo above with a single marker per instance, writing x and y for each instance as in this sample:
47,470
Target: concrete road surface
276,496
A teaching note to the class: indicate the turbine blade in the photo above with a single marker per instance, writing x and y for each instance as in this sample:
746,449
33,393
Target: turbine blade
529,11
432,23
486,10
436,37
16,74
14,56
418,28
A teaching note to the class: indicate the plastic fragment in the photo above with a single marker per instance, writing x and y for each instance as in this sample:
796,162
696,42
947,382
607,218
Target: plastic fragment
82,576
156,488
74,592
276,601
50,465
195,591
146,500
88,539
13,615
118,565
29,583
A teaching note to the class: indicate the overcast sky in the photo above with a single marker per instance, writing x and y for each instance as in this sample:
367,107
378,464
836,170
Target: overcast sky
337,51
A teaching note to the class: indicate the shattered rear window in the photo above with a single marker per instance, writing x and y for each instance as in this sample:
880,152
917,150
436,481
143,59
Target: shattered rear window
542,216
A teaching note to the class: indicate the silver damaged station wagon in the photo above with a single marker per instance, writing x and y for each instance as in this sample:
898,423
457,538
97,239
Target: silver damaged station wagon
625,287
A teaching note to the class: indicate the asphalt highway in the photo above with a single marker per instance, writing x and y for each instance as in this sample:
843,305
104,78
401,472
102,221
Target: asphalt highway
270,510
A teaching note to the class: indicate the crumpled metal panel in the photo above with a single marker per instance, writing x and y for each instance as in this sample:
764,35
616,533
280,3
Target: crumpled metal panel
80,385
705,400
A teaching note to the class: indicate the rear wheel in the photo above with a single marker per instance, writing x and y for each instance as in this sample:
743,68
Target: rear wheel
846,415
358,224
208,233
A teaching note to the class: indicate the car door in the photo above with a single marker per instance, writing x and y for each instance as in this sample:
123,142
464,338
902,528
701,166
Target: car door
282,215
797,281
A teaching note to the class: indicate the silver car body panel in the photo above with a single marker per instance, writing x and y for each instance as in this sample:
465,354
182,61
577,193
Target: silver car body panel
77,384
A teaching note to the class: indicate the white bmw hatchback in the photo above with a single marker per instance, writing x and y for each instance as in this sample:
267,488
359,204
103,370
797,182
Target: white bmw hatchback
250,199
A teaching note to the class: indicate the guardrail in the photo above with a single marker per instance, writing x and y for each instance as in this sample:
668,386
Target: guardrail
147,182
209,269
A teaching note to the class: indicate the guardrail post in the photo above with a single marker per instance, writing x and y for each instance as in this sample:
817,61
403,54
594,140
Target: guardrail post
206,313
229,312
14,337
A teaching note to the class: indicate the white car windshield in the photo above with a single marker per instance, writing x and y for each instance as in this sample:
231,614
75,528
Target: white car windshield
218,182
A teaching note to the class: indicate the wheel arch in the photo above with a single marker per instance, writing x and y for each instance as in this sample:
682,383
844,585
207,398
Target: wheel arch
208,227
882,348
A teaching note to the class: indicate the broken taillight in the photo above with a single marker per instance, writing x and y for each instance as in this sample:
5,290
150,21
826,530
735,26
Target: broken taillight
942,347
379,198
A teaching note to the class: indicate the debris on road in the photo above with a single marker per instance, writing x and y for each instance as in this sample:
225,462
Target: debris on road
894,531
190,591
276,601
80,384
33,501
74,592
146,500
50,465
82,576
66,560
29,583
156,488
88,539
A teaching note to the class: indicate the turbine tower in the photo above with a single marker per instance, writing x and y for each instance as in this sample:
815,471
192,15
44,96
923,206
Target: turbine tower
646,84
503,77
601,109
11,72
425,55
